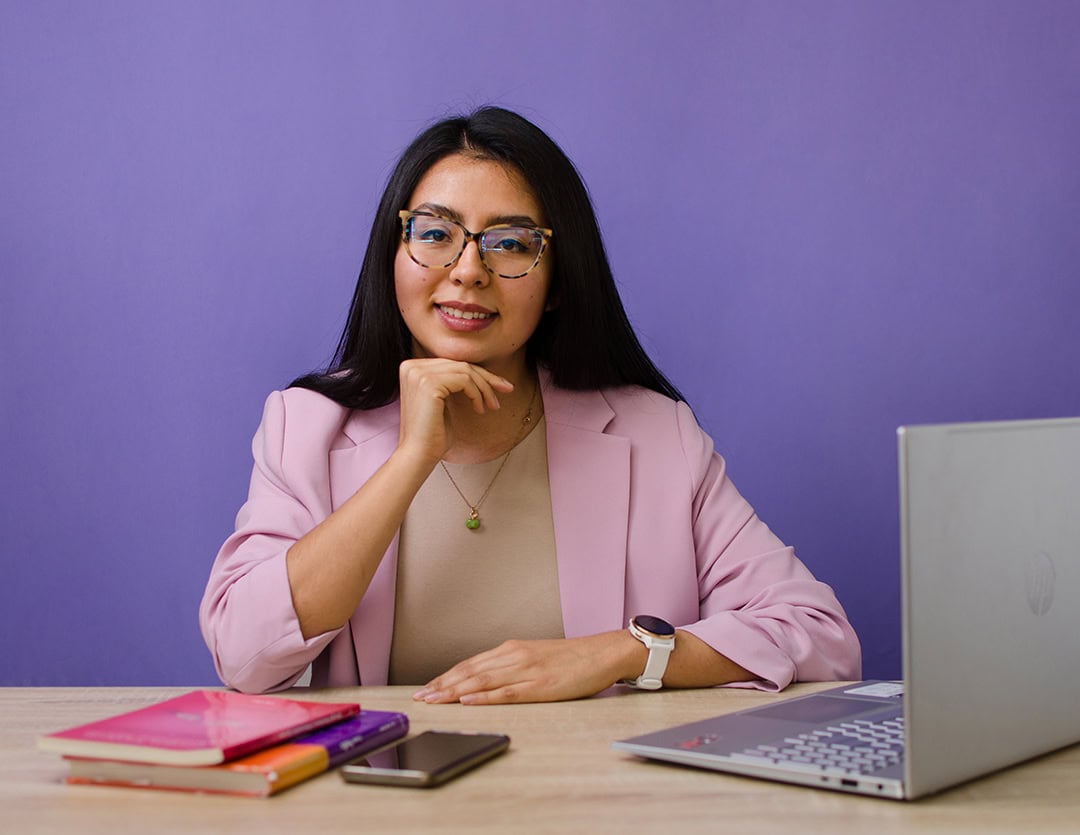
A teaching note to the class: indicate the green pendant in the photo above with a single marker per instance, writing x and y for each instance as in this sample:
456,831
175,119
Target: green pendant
473,522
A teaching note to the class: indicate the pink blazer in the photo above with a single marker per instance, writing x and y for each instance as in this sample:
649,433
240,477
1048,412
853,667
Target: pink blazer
645,520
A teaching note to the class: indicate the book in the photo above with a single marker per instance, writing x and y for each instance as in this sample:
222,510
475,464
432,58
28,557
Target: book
203,727
260,774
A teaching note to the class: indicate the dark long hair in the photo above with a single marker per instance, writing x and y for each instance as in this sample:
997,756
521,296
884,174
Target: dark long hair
585,341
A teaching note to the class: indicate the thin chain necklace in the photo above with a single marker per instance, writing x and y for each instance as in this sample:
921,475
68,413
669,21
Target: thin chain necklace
473,521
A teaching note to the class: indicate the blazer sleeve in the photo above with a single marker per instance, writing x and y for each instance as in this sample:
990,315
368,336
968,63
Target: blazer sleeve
759,604
247,616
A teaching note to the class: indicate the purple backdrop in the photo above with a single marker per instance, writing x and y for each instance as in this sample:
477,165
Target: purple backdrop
827,219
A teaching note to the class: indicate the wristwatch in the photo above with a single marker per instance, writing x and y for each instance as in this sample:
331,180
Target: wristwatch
659,637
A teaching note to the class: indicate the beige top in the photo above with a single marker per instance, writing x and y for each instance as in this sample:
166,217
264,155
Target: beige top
461,591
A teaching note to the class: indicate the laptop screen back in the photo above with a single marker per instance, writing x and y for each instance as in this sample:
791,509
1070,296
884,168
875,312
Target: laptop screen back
990,541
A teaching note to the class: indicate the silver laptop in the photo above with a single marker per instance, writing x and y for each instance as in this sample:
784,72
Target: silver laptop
990,562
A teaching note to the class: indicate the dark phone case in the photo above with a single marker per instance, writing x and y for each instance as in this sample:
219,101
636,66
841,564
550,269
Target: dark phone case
497,744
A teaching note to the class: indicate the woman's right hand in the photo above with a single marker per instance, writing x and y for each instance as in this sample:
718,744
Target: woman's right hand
427,387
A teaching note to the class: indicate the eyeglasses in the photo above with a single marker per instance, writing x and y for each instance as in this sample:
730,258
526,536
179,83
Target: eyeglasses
437,242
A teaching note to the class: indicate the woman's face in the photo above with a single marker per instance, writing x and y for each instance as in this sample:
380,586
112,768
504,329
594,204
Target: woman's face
463,312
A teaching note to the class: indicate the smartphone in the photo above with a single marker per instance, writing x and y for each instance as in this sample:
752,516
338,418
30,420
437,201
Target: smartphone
427,759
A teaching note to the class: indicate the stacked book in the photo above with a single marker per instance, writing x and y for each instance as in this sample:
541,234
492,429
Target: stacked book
222,742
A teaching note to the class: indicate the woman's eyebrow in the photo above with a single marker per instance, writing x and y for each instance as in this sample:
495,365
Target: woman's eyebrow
512,220
440,210
451,214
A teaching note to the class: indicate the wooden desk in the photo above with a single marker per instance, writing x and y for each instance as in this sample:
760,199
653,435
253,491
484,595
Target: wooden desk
560,775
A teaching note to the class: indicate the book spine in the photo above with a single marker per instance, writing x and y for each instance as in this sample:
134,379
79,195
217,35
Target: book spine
334,749
348,748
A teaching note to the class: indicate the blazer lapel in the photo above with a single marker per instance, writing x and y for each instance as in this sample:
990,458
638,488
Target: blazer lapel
589,474
373,439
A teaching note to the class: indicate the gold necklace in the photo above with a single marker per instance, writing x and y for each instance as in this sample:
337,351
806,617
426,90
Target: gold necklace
473,521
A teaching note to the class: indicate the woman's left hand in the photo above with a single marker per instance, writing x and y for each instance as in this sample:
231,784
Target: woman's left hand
537,671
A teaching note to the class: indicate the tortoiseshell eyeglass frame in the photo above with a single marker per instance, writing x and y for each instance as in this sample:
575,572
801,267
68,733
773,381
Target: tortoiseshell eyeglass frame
406,215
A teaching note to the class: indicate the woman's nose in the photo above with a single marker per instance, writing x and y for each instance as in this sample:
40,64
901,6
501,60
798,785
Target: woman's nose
469,268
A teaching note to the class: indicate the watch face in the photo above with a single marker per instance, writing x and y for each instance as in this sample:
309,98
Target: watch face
656,626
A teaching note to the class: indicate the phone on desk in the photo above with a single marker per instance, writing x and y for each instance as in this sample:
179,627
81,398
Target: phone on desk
428,759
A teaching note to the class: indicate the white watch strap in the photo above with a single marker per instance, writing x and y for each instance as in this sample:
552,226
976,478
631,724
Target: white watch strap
659,652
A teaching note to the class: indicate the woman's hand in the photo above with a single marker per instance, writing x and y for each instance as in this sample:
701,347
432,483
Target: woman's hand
426,387
573,668
538,671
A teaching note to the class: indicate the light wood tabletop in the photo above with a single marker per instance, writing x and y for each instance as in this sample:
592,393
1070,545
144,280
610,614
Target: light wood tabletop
560,775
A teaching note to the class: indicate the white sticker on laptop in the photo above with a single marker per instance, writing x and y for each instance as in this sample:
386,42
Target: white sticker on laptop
884,689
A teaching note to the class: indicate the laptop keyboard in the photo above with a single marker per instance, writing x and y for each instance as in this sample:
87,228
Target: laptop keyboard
856,747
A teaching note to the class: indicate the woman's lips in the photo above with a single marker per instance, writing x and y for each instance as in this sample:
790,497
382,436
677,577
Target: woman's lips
465,317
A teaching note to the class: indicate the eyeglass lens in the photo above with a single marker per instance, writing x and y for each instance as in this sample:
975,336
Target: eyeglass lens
509,251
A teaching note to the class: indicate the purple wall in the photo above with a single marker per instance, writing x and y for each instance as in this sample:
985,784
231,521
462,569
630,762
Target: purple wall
827,219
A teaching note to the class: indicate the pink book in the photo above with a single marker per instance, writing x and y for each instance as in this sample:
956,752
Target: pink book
204,727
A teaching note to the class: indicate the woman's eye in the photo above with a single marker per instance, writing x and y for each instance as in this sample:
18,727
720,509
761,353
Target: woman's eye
510,243
434,235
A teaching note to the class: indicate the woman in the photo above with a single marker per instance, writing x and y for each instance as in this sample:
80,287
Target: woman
493,479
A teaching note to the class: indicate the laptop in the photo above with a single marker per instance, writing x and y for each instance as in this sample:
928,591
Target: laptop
990,563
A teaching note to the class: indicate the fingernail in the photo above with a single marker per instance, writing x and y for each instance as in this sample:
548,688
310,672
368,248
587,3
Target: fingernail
420,694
